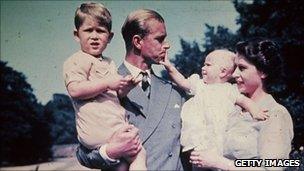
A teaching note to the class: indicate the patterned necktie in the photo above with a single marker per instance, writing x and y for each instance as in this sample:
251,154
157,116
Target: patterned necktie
145,83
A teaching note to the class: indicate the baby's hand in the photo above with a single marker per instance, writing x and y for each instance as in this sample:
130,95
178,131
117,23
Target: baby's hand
166,62
260,115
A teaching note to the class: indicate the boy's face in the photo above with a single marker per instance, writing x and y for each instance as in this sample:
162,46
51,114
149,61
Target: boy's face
93,38
211,70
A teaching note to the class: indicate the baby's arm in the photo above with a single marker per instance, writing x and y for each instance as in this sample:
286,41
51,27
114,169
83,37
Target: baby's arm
252,108
90,88
176,76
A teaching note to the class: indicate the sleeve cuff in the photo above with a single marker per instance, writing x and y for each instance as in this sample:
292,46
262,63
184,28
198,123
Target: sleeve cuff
103,153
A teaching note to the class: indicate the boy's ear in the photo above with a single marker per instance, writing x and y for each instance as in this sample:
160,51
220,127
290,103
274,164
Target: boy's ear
75,33
136,40
110,37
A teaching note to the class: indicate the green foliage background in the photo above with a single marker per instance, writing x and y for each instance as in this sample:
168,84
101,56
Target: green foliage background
28,129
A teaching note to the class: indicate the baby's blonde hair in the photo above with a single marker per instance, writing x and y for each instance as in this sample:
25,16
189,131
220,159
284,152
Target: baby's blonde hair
224,58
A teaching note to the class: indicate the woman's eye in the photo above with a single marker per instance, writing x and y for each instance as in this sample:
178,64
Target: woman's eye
241,68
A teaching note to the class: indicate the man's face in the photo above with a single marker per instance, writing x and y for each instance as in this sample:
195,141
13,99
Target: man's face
153,45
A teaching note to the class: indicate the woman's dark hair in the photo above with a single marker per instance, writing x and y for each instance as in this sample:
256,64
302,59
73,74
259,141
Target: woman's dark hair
264,55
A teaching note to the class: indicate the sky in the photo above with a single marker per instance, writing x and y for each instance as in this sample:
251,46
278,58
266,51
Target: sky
36,36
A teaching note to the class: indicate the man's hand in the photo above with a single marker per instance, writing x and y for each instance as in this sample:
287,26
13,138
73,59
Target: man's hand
124,142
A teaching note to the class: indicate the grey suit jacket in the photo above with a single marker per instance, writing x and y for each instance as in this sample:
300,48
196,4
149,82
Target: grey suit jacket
158,120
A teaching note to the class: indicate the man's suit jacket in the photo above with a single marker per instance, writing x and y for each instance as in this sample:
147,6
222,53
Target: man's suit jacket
158,120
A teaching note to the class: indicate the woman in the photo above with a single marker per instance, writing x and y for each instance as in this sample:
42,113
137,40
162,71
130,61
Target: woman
258,64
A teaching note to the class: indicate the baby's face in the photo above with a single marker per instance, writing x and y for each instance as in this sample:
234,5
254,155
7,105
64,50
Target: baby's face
93,37
211,70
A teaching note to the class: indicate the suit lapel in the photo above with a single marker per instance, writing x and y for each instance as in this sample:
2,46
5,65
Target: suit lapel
159,98
152,109
136,96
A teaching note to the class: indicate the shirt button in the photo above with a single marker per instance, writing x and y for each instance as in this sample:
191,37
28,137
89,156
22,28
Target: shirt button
170,154
173,126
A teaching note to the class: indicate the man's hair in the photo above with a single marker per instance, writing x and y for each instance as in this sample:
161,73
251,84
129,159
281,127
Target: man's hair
95,10
135,24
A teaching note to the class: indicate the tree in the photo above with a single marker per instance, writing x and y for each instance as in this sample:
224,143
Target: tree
62,119
24,130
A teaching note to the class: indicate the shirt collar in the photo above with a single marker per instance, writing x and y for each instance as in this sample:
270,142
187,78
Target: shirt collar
134,70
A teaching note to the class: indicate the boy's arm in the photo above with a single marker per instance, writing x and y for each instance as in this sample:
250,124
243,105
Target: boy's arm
176,76
252,108
91,88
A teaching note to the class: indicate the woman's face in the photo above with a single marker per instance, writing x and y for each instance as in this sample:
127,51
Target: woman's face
247,77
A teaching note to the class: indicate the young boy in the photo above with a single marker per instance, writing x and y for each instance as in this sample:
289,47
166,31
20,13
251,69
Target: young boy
214,98
93,83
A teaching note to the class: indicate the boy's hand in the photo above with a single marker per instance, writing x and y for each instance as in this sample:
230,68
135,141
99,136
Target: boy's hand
117,82
131,83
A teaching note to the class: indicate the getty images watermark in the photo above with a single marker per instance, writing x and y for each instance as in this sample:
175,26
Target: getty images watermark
267,163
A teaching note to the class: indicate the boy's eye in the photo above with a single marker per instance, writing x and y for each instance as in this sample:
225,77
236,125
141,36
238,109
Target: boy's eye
88,30
101,31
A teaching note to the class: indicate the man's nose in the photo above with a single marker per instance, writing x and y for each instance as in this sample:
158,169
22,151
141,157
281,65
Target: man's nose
167,45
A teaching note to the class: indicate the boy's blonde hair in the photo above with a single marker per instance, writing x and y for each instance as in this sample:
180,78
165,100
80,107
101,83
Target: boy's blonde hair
135,24
95,10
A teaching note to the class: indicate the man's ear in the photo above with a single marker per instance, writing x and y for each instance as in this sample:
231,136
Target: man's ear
110,37
136,40
76,36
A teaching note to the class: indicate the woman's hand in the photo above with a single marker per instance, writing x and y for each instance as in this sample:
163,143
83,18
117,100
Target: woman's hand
204,158
209,158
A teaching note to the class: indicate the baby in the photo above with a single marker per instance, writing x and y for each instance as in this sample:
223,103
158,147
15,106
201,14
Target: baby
205,116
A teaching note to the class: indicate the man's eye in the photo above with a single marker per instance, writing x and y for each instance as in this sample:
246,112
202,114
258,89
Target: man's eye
160,39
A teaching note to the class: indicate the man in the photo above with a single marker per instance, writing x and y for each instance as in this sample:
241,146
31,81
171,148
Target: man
154,105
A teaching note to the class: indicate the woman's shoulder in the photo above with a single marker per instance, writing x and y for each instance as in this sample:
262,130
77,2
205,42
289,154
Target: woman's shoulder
279,112
276,107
